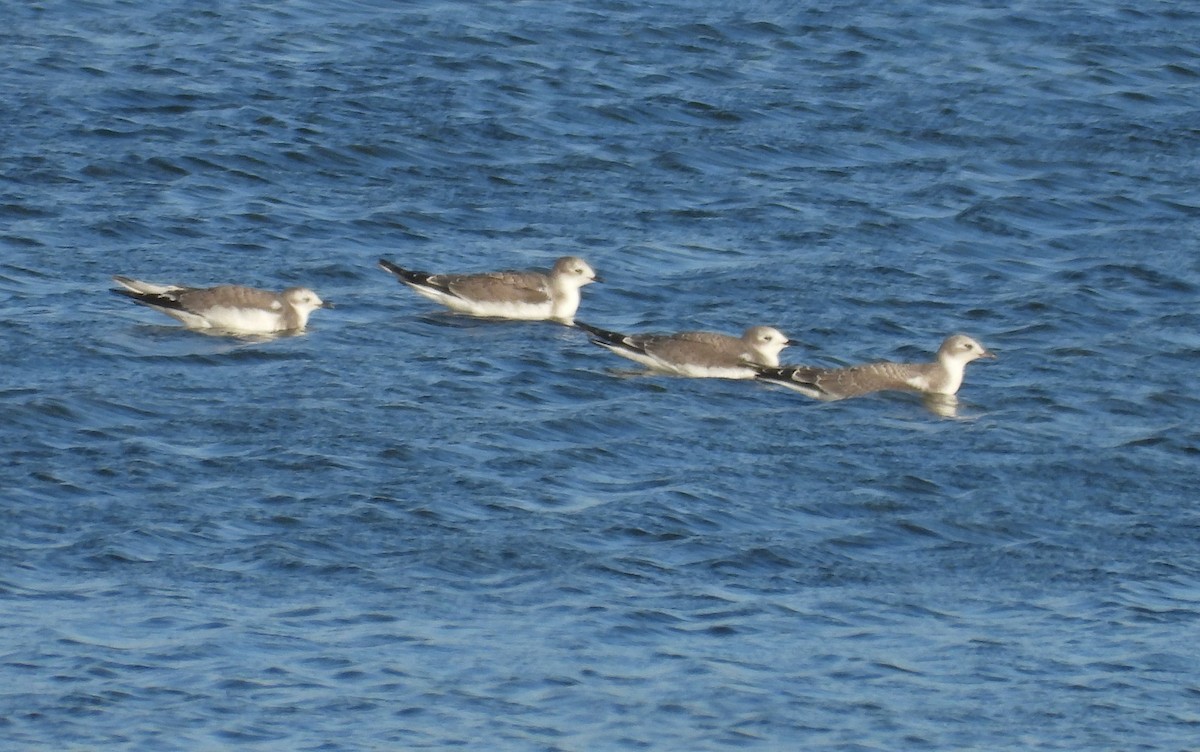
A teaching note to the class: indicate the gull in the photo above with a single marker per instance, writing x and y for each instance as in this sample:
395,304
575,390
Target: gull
697,354
942,377
523,295
228,308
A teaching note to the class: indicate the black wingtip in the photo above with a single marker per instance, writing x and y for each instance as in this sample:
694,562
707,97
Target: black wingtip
148,298
404,275
791,376
612,340
597,332
766,373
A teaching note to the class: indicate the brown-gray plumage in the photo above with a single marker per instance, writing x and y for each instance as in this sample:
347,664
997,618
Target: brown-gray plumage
523,295
231,308
696,354
943,376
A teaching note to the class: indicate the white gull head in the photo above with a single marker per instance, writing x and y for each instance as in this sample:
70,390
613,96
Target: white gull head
570,273
303,301
766,343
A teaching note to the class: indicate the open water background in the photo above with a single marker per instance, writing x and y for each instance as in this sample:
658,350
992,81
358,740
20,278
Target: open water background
410,530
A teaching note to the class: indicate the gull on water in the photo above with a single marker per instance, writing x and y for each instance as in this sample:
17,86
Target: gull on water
697,354
941,377
227,308
523,295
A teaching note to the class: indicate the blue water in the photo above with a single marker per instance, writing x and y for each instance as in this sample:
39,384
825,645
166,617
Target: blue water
409,530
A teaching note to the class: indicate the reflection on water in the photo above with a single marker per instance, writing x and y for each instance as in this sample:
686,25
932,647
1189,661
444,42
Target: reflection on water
943,405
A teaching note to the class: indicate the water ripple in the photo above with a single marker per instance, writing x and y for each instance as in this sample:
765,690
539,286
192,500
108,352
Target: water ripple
405,529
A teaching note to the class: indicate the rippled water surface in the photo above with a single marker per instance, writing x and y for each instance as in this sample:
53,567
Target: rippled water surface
406,529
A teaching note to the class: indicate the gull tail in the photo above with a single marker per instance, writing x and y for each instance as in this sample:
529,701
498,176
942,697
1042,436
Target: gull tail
144,288
803,379
603,336
164,301
405,275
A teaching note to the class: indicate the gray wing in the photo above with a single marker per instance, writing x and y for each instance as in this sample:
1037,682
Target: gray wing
227,296
504,287
702,348
838,383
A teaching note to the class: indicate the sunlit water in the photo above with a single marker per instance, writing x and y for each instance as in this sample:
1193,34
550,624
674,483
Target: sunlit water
405,529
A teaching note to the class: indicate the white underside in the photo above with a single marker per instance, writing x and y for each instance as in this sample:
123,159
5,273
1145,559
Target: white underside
690,370
949,387
240,320
490,309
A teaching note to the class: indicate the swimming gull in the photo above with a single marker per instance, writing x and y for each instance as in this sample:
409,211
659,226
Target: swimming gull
941,377
697,354
523,295
228,308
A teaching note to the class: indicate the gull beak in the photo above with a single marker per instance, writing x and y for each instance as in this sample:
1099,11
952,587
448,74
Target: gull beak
327,304
988,354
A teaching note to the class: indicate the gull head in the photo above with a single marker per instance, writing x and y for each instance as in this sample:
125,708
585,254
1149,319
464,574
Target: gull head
766,343
574,271
304,300
961,349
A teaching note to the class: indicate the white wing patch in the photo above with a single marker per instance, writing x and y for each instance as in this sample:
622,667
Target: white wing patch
919,383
